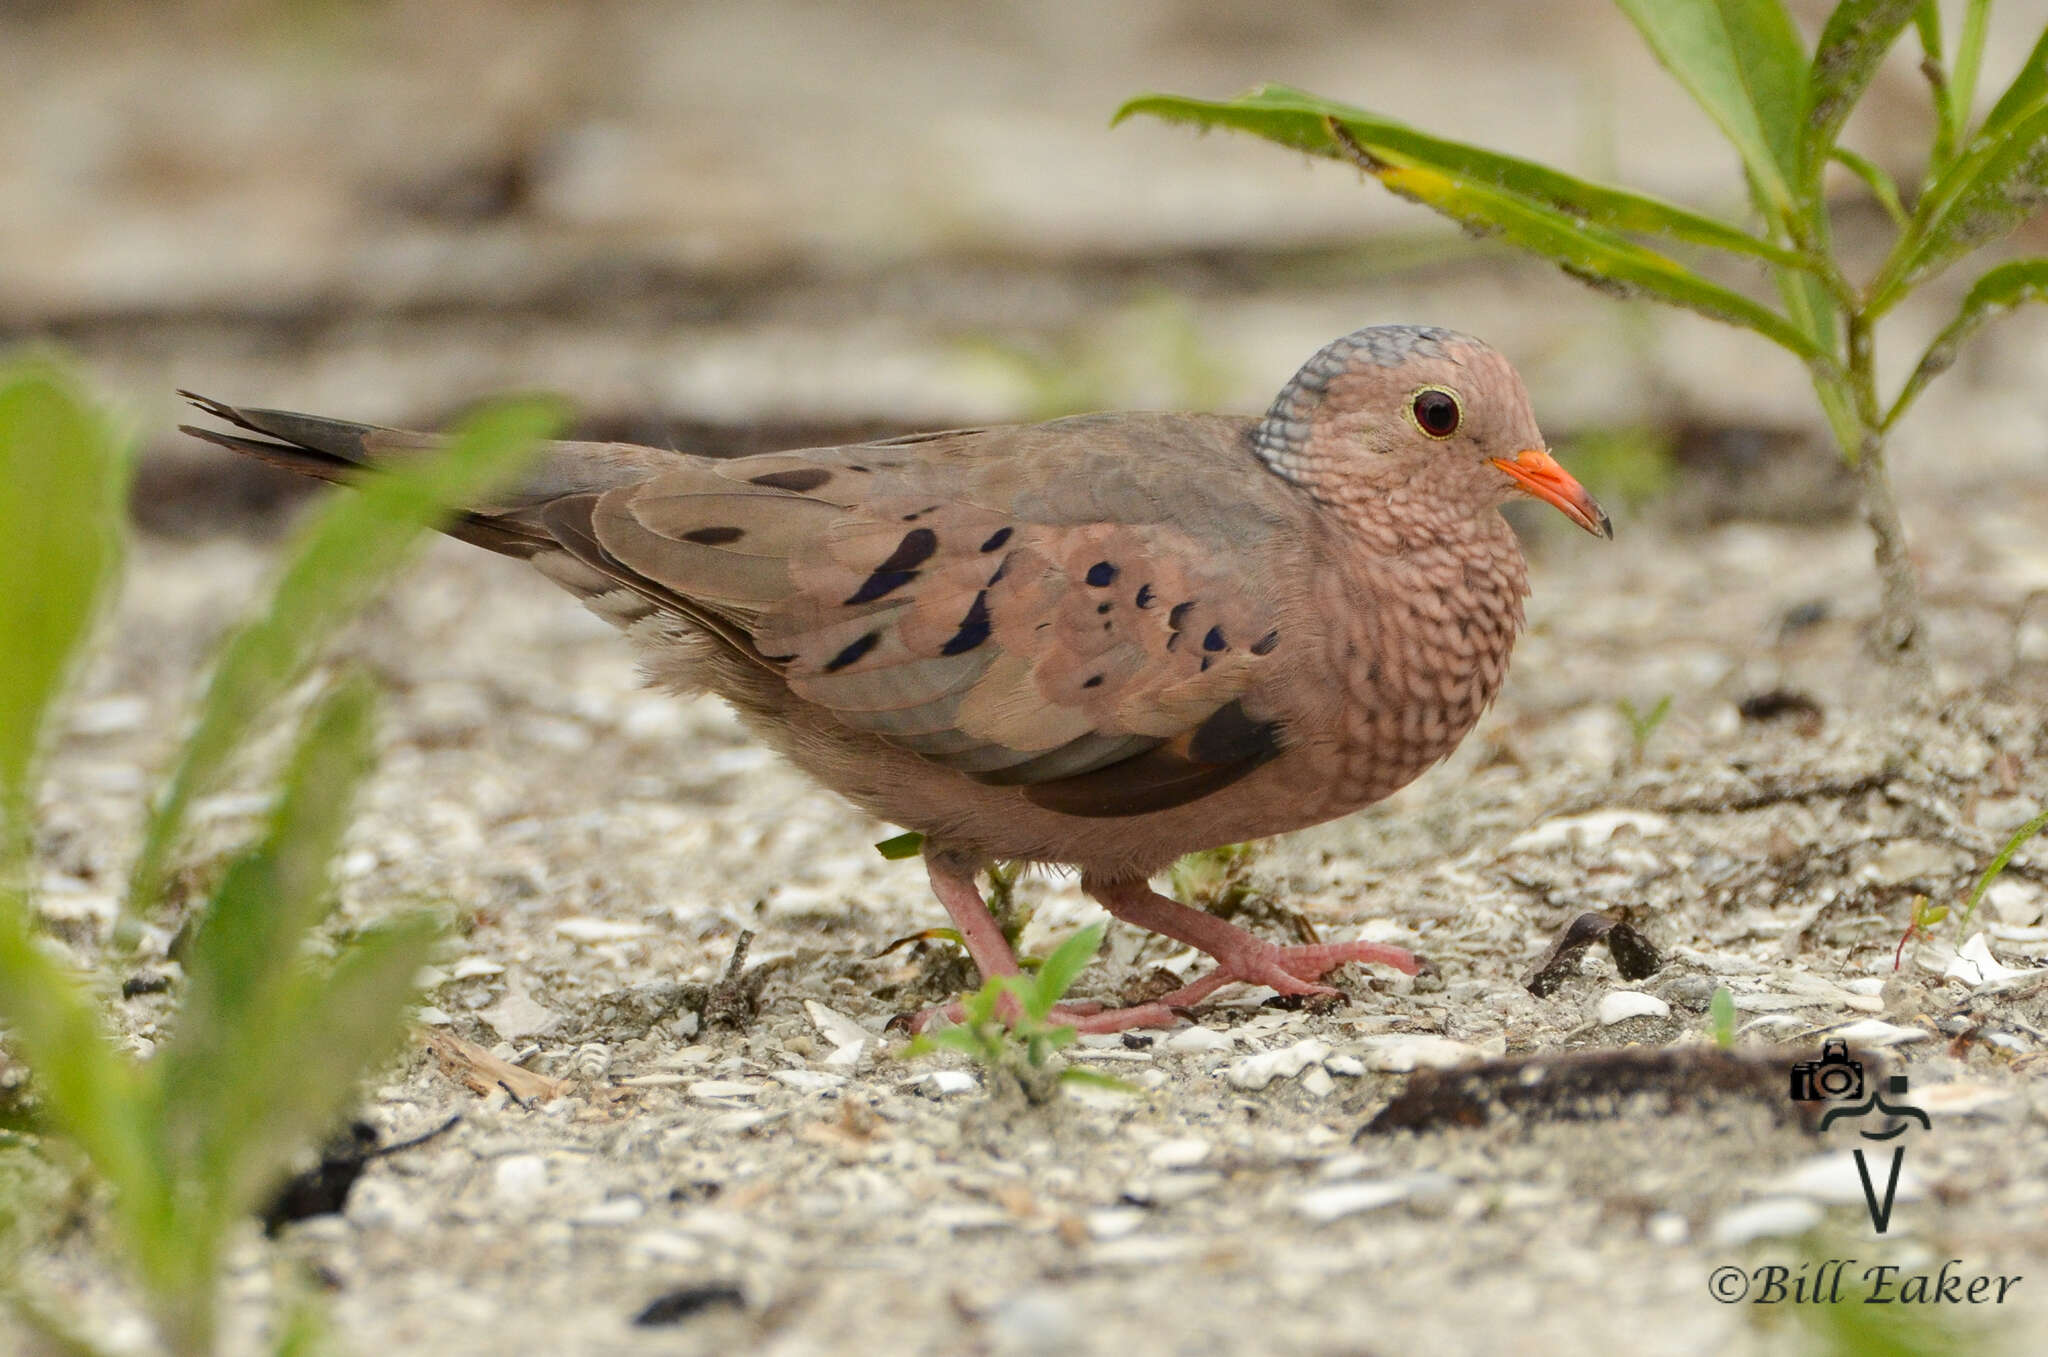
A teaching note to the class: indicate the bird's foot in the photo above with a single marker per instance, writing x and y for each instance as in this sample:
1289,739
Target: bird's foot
1286,970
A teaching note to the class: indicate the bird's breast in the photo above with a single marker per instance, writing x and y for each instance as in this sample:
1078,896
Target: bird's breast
1417,648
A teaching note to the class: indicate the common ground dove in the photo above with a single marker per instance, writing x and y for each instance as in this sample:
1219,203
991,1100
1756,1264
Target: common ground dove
1101,642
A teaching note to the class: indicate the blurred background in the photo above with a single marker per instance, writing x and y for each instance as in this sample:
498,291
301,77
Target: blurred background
733,226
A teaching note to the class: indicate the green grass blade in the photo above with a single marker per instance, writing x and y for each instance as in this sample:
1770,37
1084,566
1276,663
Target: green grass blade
1743,62
1998,865
1852,46
2003,288
251,941
286,1085
63,491
356,545
1297,119
1059,971
90,1090
901,846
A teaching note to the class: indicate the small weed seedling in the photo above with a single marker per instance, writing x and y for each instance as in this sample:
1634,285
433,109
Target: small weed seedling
1003,1025
1642,724
269,1037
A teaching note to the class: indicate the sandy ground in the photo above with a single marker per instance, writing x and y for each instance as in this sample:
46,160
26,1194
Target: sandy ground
600,848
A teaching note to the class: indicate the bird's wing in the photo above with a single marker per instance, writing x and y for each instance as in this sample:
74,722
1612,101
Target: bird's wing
942,593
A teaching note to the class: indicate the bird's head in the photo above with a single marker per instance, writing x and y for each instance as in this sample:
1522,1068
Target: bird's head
1424,423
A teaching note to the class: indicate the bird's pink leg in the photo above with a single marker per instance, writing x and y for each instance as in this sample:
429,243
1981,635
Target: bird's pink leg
952,878
1240,956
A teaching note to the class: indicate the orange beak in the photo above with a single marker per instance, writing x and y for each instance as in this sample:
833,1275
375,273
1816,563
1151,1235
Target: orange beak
1537,472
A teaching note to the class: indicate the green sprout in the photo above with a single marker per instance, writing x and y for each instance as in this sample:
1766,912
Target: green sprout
271,1032
1782,109
1642,724
1004,1025
1721,1017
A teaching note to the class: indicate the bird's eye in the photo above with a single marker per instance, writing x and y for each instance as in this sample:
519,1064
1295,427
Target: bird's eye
1435,411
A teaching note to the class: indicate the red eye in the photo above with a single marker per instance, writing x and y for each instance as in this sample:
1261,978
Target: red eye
1436,412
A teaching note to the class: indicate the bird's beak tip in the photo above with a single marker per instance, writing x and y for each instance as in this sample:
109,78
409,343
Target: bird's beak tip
1537,472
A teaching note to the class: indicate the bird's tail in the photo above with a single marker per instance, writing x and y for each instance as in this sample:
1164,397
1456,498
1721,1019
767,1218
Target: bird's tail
344,452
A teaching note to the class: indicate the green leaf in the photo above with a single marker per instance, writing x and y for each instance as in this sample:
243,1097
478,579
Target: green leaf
1078,1074
91,1091
2026,92
902,846
1852,46
1998,291
1721,1009
1998,179
1444,180
1998,864
1880,184
251,940
1057,975
337,1027
1743,62
1298,119
63,490
355,546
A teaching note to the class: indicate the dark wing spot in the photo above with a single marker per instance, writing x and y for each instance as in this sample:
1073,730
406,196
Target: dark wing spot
1172,639
879,584
1144,599
799,479
1179,615
1264,645
1205,663
912,518
997,538
913,551
1214,640
974,628
714,537
1372,672
1102,574
1001,571
853,652
1102,608
1231,736
1093,682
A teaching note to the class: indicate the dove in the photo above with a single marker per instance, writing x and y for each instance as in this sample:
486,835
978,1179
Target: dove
1098,643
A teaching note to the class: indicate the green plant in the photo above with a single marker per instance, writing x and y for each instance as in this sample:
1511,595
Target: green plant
1782,109
269,1038
1998,864
1721,1017
1642,724
1003,1025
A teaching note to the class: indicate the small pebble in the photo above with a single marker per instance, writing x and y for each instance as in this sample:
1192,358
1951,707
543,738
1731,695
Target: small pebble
1619,1005
1184,1153
1771,1218
1325,1204
1404,1052
1196,1040
519,1177
1252,1072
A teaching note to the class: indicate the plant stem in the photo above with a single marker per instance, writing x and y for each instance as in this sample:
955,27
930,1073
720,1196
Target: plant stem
1899,638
